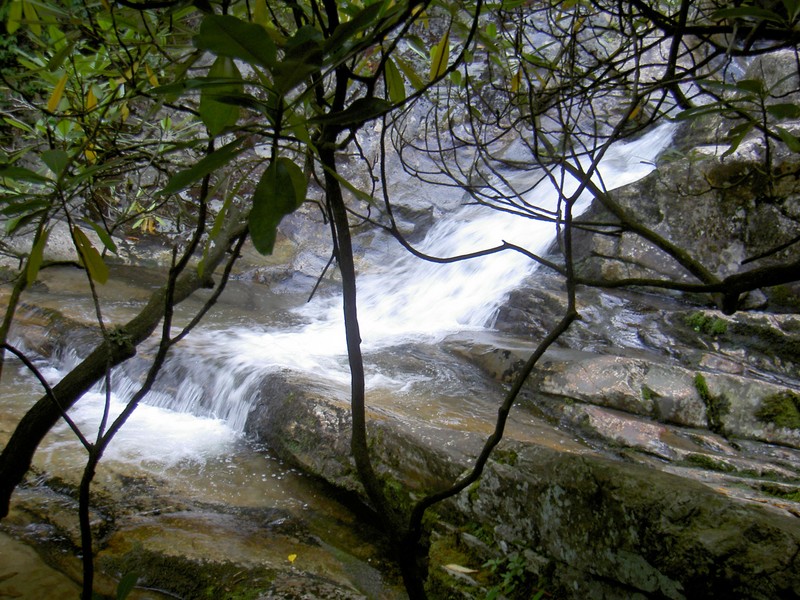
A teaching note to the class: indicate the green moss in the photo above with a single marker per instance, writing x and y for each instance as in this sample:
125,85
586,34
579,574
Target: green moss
445,550
781,492
781,409
472,491
716,406
704,461
482,532
648,395
396,494
192,579
784,295
505,457
706,324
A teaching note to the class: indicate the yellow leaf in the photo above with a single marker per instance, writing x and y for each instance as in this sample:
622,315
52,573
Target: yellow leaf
14,16
58,93
440,55
151,77
128,75
454,568
635,112
125,112
90,257
35,257
260,16
516,81
91,99
90,154
292,558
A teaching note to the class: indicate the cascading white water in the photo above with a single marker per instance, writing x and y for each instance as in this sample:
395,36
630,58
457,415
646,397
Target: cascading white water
215,377
419,298
412,300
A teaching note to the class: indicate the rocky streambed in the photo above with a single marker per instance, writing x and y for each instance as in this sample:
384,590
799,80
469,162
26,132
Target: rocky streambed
672,472
659,459
653,453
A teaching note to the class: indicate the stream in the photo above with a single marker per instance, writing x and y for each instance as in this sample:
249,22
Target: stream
182,470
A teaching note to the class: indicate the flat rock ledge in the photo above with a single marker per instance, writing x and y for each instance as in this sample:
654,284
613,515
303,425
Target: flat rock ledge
589,525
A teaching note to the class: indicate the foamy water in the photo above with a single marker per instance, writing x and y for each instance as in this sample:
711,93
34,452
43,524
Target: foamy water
219,374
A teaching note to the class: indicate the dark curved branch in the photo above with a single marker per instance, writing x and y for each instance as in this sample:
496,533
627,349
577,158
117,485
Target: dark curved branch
494,439
49,392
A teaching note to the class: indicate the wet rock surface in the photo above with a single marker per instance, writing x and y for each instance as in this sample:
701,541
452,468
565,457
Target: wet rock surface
653,453
181,546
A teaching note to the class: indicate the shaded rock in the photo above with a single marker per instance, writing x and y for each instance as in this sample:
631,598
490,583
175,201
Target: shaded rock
46,332
729,213
614,530
595,527
298,418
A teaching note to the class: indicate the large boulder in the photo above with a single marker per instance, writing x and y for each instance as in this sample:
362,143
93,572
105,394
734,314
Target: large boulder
594,526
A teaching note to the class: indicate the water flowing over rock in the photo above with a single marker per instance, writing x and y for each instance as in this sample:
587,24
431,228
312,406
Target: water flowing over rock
654,452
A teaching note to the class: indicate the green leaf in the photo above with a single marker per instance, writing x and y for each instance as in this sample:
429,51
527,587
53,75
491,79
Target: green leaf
18,124
126,585
349,29
14,16
721,87
59,57
13,224
219,221
32,17
56,161
360,194
791,140
90,257
699,111
395,85
280,191
218,116
359,112
21,174
303,55
89,172
206,165
784,111
28,207
409,72
244,100
104,236
792,9
736,135
36,256
199,83
440,55
416,44
752,86
746,12
298,125
225,35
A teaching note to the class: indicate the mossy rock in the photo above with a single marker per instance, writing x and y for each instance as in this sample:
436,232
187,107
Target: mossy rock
188,578
781,409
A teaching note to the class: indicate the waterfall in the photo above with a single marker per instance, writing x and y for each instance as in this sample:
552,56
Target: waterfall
419,298
217,375
411,300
